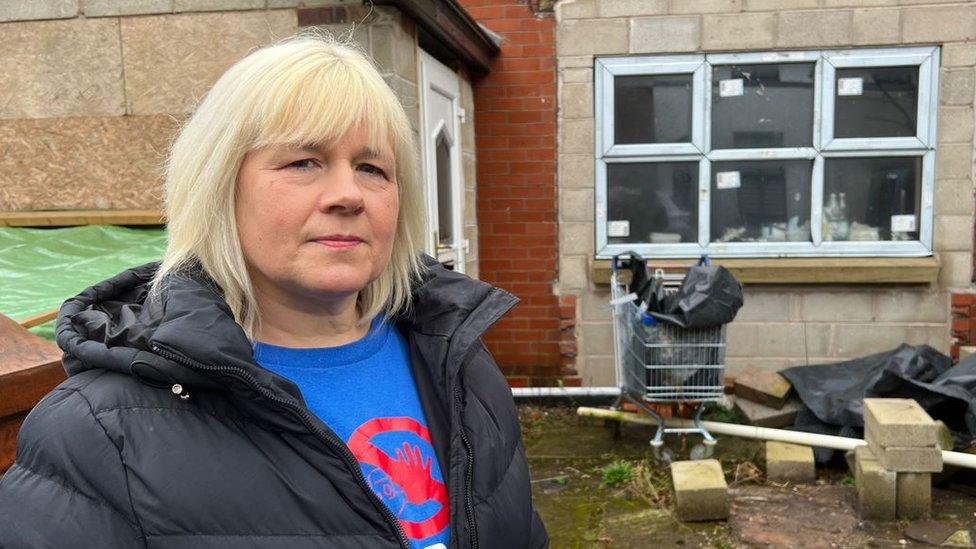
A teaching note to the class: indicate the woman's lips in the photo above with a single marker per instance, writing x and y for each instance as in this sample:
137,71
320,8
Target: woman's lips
339,243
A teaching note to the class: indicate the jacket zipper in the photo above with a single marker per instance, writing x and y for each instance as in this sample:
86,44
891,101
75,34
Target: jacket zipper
332,440
468,474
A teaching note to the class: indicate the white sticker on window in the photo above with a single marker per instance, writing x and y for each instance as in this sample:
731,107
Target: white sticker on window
728,180
850,86
903,223
730,88
618,228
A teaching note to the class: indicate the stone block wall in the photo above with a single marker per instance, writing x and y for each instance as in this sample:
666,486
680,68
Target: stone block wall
779,326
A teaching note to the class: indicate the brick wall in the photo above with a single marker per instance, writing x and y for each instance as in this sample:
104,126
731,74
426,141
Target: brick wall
516,196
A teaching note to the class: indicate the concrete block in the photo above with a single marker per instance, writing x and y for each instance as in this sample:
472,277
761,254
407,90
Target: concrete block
763,5
572,272
115,8
765,306
834,306
914,495
745,30
630,8
814,28
789,463
26,10
954,160
953,232
955,125
762,386
705,6
592,36
764,416
575,9
954,196
909,459
898,422
576,170
576,136
700,491
663,34
939,24
956,269
957,87
876,487
576,238
876,26
216,5
912,306
576,100
575,204
958,55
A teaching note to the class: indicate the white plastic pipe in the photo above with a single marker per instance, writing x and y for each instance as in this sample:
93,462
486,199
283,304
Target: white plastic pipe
958,459
528,392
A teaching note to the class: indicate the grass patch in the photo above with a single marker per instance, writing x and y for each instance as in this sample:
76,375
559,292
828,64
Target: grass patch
616,473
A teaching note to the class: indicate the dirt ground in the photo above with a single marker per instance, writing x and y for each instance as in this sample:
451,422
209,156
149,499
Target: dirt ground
595,489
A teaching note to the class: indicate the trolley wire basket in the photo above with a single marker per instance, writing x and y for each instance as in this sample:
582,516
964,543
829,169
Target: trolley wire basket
658,362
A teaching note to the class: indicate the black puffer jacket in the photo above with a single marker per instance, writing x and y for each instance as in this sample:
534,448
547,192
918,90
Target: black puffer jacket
168,434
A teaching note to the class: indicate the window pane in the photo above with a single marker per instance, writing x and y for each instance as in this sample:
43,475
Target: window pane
872,198
876,102
762,105
445,193
652,108
761,201
653,202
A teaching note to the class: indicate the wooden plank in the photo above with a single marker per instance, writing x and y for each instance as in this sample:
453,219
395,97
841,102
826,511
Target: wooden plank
39,319
65,218
809,270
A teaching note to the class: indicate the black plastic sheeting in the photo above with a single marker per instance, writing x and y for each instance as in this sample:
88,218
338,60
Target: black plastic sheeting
709,295
832,393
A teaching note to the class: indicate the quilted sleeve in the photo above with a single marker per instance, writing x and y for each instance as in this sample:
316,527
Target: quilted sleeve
68,486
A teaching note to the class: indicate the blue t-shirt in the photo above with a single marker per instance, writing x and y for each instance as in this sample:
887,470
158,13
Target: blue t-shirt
365,392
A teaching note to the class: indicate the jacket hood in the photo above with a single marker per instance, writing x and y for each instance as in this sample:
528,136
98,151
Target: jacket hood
111,326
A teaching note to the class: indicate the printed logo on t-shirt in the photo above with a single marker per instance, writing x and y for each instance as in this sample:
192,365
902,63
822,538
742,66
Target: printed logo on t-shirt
397,458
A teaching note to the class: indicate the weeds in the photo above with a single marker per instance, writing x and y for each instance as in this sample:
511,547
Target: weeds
616,473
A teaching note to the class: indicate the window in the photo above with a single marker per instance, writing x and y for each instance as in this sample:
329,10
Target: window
779,154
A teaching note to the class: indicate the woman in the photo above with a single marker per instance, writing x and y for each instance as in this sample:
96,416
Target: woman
292,373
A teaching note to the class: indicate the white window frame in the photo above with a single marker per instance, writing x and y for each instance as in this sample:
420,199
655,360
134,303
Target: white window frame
824,146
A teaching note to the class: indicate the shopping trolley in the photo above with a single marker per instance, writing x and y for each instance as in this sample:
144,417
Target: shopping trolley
657,362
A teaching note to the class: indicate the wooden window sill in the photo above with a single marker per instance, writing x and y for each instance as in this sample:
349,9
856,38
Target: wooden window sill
809,270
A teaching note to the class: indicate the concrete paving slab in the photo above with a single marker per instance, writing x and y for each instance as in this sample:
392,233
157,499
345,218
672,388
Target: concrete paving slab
762,386
765,416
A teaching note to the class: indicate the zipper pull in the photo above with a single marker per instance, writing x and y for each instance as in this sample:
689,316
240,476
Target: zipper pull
180,391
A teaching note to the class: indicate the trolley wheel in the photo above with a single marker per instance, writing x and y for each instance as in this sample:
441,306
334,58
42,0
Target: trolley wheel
703,451
663,455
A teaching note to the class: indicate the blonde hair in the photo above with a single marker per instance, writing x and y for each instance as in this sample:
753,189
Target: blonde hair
307,89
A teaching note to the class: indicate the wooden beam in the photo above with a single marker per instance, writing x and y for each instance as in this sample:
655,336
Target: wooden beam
809,270
38,319
64,218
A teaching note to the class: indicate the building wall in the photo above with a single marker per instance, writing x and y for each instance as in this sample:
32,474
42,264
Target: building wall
778,326
94,91
516,136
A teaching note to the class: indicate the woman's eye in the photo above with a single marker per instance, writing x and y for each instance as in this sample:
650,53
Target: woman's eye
303,164
373,169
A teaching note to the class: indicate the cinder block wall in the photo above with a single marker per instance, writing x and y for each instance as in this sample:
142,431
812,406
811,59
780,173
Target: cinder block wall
779,326
94,90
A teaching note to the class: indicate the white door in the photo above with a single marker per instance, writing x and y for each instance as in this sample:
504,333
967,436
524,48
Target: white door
440,134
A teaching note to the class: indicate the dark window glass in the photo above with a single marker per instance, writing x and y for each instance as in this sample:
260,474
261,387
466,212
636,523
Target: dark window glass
654,202
762,105
445,192
872,198
876,102
652,109
761,201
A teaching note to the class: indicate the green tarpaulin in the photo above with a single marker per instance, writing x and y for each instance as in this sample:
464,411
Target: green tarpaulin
41,268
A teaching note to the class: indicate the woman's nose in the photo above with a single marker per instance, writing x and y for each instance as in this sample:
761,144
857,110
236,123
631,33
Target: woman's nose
341,190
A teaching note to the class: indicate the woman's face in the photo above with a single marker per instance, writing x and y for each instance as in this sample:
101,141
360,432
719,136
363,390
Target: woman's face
317,223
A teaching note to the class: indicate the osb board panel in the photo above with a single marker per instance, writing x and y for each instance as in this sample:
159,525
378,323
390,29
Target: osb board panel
172,60
61,68
83,163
